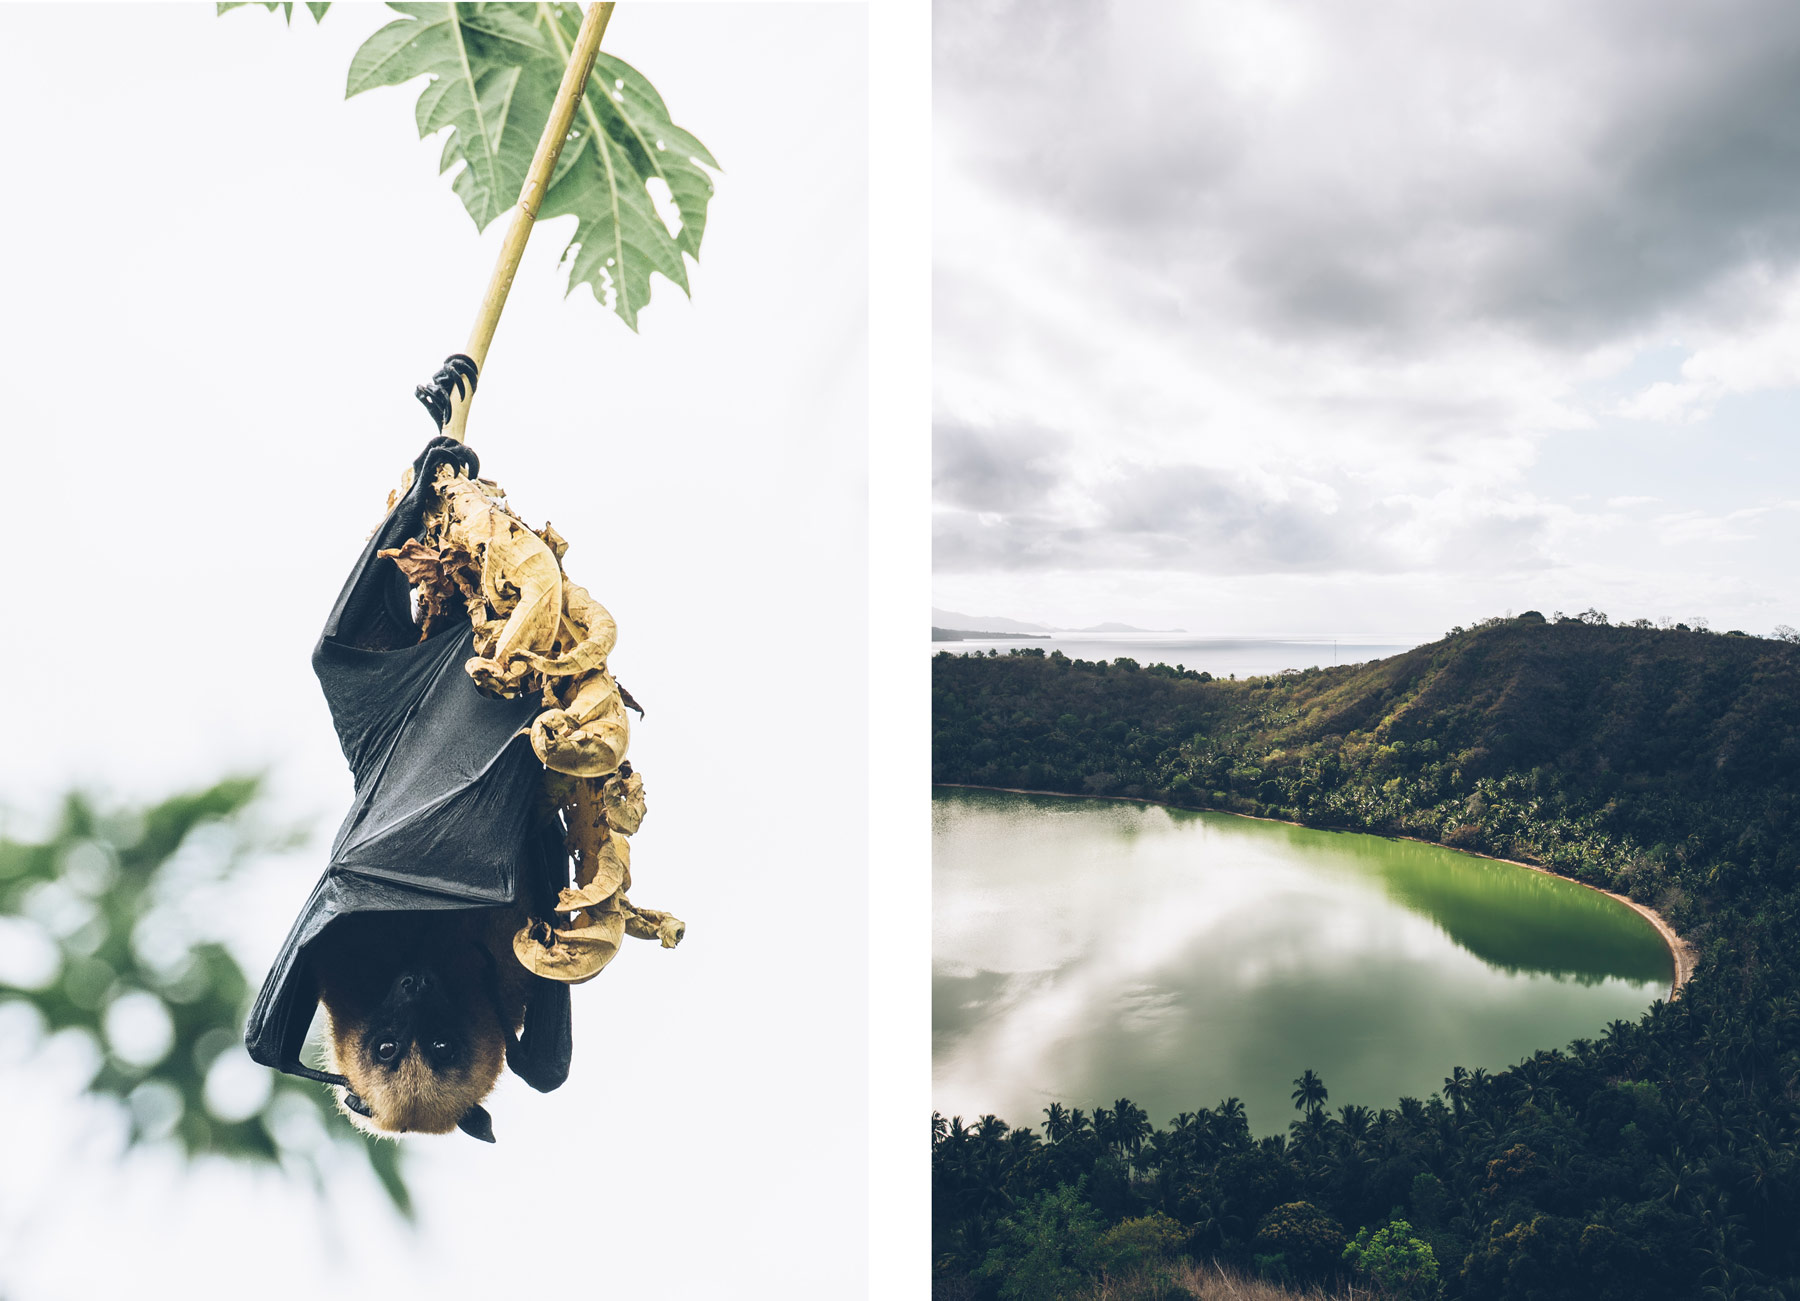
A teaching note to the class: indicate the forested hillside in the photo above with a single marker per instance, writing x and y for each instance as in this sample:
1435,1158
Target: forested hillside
1656,1161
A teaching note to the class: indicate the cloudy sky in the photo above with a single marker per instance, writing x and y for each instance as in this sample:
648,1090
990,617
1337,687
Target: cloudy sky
1304,317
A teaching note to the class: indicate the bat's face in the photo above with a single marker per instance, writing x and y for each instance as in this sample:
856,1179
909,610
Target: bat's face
429,1050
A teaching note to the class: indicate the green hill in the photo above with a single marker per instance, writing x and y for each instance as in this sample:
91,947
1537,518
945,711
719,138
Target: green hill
1615,754
1658,1161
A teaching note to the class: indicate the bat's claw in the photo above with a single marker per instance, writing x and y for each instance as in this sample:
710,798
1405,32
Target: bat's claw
448,381
477,1123
445,450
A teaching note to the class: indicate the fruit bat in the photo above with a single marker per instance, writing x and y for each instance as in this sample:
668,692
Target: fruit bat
449,848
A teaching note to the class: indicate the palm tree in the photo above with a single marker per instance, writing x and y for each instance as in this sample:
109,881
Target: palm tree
1309,1092
1310,1131
1456,1087
1129,1127
1056,1122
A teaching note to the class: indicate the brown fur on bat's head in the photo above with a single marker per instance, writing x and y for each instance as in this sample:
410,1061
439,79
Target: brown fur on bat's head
414,1027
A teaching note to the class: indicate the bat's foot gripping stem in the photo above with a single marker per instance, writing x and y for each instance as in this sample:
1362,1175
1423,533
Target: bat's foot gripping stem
437,393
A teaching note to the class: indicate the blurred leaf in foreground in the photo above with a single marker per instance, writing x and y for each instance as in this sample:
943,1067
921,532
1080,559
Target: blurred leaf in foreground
286,7
100,927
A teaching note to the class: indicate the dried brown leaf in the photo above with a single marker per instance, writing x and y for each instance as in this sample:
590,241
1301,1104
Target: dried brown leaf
571,956
653,924
623,799
442,578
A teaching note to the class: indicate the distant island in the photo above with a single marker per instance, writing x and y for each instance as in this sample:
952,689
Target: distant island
965,634
958,627
950,619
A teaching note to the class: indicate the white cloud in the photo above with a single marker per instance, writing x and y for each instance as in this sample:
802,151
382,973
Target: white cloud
1760,356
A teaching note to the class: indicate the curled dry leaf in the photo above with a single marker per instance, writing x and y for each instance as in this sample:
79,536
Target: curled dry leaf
602,863
445,579
535,631
520,579
623,798
588,737
554,541
652,924
574,955
587,627
580,951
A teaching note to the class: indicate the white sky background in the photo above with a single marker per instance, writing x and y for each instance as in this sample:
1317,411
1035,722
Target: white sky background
1306,317
222,282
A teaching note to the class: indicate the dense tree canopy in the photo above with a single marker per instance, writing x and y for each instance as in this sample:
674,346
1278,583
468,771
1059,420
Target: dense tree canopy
1658,1160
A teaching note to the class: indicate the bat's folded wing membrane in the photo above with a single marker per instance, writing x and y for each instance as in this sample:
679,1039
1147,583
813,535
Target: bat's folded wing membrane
449,810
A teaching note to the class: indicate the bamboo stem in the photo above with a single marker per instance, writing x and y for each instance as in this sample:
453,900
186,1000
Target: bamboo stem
531,197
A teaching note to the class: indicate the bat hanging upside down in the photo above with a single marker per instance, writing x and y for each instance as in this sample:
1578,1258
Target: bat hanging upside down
487,741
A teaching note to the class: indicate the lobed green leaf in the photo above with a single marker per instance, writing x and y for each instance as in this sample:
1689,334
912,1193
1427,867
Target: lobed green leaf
493,71
621,140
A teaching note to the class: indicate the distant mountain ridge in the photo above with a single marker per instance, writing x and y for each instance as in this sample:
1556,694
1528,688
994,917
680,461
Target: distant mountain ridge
952,621
965,634
968,624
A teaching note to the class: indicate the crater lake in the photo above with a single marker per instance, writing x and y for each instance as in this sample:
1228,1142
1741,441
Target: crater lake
1087,950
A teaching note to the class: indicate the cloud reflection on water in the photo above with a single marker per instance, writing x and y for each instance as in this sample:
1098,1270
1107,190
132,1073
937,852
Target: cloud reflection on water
1087,950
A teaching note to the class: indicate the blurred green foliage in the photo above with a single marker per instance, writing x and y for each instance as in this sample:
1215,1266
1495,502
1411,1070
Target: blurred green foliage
114,903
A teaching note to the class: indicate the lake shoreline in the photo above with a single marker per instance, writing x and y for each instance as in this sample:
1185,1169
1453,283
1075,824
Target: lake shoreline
1681,953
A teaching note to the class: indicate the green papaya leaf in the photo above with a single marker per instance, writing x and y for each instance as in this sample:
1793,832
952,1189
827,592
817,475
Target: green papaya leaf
621,140
476,56
493,71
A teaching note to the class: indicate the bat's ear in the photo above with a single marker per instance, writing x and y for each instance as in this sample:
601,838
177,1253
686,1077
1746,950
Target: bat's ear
477,1123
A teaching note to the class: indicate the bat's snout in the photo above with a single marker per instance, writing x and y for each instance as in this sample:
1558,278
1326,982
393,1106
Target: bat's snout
412,986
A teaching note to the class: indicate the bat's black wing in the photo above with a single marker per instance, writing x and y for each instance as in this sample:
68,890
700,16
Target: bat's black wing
449,810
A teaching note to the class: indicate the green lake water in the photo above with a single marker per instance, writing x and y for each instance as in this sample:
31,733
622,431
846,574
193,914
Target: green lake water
1089,950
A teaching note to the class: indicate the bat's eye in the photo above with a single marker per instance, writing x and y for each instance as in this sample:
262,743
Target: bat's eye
386,1050
439,1046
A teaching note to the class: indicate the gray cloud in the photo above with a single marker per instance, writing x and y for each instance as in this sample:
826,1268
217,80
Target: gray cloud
1207,522
1572,174
986,470
1191,514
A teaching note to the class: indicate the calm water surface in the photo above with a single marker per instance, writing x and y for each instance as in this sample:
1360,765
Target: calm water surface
1088,950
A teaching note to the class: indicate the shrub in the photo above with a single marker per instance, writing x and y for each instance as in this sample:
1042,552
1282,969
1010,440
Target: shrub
1394,1260
1309,1241
1046,1249
1139,1241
